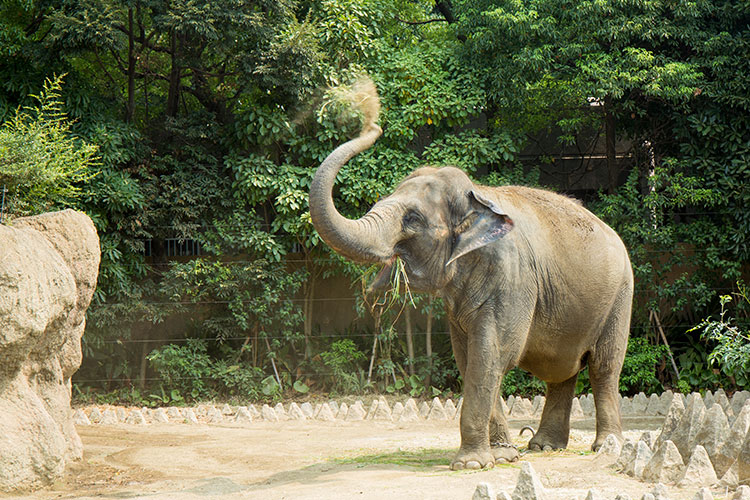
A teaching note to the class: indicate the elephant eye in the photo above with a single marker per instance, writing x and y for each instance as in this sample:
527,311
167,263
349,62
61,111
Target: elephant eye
411,218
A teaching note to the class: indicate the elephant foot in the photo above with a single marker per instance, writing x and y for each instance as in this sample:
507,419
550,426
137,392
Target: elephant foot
473,459
504,453
546,442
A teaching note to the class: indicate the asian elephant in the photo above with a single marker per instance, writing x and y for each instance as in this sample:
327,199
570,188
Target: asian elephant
529,278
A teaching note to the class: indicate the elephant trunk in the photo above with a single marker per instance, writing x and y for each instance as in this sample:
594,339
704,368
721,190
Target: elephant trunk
359,240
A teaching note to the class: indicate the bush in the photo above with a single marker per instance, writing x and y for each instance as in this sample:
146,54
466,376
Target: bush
522,383
731,341
41,163
346,376
639,368
189,372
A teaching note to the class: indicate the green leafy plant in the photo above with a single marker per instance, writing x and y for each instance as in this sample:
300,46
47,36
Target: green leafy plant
42,163
695,371
639,368
731,351
412,385
522,383
190,372
342,359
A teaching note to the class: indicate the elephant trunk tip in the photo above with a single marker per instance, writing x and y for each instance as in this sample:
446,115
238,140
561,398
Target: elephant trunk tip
363,95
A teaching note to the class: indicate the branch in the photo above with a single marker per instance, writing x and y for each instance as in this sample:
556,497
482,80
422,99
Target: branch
413,23
118,60
446,9
104,68
204,72
144,42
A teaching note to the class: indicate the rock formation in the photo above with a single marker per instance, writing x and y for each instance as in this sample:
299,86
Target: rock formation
48,269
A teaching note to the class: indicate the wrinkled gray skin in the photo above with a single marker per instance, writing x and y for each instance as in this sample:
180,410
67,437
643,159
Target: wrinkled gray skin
529,278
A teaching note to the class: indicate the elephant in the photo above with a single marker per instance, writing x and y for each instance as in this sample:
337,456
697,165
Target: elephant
529,278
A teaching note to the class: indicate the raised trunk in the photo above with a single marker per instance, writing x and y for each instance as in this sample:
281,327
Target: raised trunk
360,240
366,239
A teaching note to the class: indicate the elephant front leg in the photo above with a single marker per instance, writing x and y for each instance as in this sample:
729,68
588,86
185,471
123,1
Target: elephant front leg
501,446
482,378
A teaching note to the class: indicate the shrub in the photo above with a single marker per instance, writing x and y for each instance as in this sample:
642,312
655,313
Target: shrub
639,368
346,376
731,341
41,163
188,371
520,382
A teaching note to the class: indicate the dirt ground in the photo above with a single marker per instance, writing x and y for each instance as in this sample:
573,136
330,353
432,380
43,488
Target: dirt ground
320,460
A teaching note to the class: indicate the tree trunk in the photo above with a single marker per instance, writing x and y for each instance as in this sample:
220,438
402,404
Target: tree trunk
255,345
428,344
409,338
611,145
130,110
173,97
309,290
144,363
376,314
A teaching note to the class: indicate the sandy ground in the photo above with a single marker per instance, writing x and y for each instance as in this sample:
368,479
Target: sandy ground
320,460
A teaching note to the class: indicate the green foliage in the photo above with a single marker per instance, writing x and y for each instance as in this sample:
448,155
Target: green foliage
187,366
696,372
678,261
191,374
42,164
208,119
413,385
521,383
342,360
731,341
239,295
639,369
543,59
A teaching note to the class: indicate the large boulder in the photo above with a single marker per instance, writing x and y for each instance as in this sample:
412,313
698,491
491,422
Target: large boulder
48,269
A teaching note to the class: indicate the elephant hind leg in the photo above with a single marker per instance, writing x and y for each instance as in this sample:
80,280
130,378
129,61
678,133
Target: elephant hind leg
605,365
554,428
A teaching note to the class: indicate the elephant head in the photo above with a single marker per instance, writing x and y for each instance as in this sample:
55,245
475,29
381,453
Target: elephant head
432,219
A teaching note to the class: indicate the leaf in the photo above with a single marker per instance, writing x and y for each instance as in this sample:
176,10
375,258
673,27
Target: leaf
269,386
301,387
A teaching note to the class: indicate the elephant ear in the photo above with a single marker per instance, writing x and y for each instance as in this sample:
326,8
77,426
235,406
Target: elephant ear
489,224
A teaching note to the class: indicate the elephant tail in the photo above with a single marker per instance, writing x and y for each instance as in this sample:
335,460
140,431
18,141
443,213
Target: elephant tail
529,428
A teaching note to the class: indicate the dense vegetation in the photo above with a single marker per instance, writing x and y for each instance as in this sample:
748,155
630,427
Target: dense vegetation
204,121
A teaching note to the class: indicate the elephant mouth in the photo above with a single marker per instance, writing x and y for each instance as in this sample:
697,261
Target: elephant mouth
383,278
